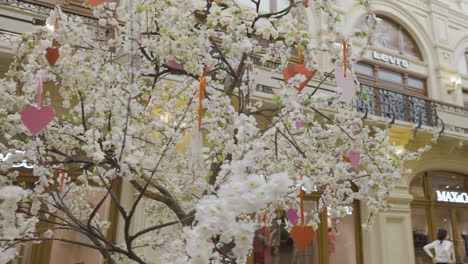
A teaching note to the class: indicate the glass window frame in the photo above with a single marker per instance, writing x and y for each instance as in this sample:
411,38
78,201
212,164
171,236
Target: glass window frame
399,87
321,234
42,253
430,203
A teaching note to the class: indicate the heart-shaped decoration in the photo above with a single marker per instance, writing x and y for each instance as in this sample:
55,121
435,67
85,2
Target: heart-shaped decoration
302,236
300,124
36,119
94,3
52,55
294,69
355,158
173,64
292,216
346,84
346,158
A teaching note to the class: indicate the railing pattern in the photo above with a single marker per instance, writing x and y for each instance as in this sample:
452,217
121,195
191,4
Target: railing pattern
397,106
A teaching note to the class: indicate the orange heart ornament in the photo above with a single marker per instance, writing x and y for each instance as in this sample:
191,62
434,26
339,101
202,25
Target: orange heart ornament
292,69
302,236
94,3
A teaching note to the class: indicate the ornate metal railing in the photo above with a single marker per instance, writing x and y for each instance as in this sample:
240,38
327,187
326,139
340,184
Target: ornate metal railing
397,106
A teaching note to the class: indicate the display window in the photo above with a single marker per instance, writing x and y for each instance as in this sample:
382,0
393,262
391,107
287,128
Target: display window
336,241
440,202
56,251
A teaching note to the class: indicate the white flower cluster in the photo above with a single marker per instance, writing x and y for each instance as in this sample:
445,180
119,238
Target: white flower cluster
13,225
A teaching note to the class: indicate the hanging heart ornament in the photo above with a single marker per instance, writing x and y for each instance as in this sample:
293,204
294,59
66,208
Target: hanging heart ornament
35,119
302,236
292,69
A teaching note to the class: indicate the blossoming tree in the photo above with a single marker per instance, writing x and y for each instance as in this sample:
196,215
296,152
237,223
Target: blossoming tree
165,102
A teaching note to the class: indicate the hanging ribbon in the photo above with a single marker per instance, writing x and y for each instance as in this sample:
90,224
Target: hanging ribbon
201,96
300,57
60,173
301,234
52,53
301,200
37,118
345,56
40,85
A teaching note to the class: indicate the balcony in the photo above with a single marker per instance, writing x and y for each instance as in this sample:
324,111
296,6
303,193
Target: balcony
397,106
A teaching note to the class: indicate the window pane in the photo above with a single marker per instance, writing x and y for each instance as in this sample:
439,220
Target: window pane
442,184
342,240
443,221
264,5
417,188
363,68
420,234
416,83
273,244
62,252
461,239
465,97
390,76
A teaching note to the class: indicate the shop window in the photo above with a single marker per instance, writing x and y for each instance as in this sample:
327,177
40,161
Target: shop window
273,245
441,202
341,239
420,234
447,183
335,241
417,188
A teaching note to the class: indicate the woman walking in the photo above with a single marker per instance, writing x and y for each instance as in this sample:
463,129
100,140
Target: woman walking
442,247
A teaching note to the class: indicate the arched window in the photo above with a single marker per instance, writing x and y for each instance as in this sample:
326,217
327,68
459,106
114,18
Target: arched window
391,35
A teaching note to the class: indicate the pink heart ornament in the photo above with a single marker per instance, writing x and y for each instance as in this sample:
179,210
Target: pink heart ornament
292,216
173,64
36,119
346,84
300,124
355,158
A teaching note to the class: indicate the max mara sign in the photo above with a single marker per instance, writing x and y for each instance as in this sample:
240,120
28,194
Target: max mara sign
390,59
452,197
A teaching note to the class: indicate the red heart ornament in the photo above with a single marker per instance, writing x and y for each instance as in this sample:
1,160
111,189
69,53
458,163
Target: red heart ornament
36,119
52,55
294,69
94,3
302,236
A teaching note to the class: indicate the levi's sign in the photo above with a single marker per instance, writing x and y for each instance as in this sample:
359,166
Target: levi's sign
390,59
452,197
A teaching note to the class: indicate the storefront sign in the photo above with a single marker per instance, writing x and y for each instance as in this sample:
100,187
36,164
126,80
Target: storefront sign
452,197
22,164
390,59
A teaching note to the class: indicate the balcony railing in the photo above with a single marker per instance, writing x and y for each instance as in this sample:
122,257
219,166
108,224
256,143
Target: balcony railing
397,106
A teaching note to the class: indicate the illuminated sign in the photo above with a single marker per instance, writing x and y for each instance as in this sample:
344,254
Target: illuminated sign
452,197
390,59
22,164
